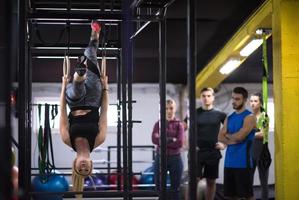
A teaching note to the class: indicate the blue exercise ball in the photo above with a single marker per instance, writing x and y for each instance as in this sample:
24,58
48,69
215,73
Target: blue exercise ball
148,178
54,183
95,182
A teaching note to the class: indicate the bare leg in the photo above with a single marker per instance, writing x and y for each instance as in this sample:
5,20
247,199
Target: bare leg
200,189
211,189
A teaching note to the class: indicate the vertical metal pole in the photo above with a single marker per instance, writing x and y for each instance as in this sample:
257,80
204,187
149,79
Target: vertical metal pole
191,65
29,100
109,162
5,86
118,140
162,86
127,64
130,124
68,27
24,89
124,120
124,130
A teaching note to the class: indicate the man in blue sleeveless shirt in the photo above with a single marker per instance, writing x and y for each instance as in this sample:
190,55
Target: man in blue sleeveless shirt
238,133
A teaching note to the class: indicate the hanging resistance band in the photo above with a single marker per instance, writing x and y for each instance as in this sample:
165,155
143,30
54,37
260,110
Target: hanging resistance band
48,140
45,165
42,149
103,65
66,60
265,159
265,89
54,112
66,66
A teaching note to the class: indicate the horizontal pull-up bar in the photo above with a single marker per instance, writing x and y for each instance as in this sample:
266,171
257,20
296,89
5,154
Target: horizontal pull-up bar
59,15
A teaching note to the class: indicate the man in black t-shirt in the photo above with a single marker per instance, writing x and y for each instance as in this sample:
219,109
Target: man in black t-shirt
208,148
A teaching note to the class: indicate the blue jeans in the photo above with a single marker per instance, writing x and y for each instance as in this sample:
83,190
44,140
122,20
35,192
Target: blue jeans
89,91
175,168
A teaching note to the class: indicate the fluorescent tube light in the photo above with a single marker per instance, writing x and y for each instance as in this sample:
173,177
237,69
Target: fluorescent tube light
251,47
230,66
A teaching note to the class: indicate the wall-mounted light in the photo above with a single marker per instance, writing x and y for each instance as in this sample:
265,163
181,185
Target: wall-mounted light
230,66
251,47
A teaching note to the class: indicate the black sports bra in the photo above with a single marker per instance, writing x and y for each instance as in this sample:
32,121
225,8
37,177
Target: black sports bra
85,126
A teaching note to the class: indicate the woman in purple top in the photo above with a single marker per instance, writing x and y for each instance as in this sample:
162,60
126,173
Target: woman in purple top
174,134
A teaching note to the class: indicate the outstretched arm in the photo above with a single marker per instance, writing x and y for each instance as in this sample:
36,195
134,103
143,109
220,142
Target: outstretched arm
63,123
103,113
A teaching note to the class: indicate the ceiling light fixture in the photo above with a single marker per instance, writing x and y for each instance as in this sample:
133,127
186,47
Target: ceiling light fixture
230,66
251,47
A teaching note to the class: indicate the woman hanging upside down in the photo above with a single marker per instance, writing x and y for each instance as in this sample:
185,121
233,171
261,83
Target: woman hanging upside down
84,128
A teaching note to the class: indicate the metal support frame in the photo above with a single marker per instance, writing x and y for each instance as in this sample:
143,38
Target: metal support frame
130,107
101,5
5,116
125,73
191,65
126,64
144,25
58,15
162,87
136,3
118,141
150,3
158,16
102,194
64,46
24,103
127,57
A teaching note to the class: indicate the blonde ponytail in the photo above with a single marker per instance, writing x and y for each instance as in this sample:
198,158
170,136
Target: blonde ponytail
78,180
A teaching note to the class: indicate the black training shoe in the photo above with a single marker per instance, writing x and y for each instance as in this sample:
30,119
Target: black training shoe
80,67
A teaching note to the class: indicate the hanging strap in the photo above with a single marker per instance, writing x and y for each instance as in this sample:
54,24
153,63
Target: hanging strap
54,112
265,73
104,52
48,140
68,27
265,89
103,66
41,148
66,66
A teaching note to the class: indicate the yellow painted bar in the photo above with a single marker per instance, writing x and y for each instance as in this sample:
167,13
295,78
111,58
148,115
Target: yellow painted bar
210,75
286,97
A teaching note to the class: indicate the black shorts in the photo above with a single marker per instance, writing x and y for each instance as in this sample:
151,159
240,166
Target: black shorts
208,163
238,182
